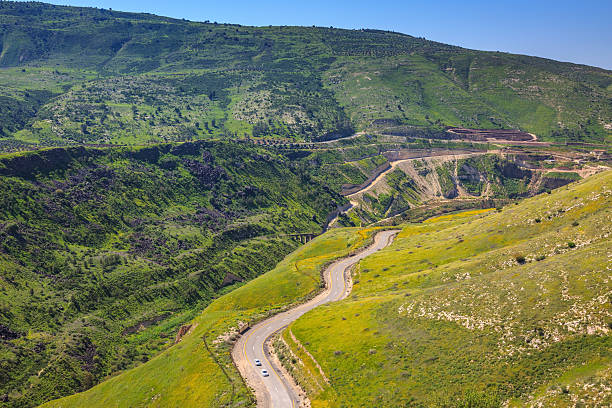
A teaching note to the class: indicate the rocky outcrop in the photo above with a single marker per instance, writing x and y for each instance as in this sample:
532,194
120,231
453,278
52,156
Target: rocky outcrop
512,170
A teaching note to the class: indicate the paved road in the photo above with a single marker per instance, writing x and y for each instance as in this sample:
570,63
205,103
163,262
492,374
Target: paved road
274,391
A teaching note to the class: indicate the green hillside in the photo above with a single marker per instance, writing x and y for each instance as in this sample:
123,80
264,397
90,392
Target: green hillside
198,371
475,310
468,309
105,253
74,75
158,177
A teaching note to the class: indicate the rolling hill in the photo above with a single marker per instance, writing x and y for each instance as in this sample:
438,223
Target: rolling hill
483,308
157,177
480,308
84,75
105,253
199,371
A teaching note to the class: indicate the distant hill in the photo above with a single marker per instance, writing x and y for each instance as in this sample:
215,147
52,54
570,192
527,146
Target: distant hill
85,75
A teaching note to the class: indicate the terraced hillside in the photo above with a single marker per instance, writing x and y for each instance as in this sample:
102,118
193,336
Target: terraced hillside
105,253
463,179
399,180
83,75
484,308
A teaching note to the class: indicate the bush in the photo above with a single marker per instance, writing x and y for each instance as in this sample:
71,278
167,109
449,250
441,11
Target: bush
520,259
571,245
471,399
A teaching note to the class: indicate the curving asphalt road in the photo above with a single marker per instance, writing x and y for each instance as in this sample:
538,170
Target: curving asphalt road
274,391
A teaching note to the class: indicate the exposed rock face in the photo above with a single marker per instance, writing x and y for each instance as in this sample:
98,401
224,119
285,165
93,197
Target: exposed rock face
148,154
231,278
468,173
451,193
41,161
550,183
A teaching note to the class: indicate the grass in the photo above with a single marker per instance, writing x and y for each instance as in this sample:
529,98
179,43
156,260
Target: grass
146,79
446,316
563,175
187,374
96,241
105,253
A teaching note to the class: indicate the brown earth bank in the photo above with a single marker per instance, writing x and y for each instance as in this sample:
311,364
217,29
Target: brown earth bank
512,135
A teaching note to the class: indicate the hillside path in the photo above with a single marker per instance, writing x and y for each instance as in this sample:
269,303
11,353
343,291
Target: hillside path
275,391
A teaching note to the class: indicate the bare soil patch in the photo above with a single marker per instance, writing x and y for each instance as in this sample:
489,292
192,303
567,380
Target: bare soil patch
483,135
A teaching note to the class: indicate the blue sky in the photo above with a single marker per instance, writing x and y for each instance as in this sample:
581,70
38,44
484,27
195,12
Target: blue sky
577,31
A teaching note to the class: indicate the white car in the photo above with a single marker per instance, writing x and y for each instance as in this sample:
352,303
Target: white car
265,373
257,363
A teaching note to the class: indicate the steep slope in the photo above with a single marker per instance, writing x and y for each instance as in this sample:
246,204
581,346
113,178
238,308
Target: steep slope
198,371
476,179
476,309
90,75
415,181
105,253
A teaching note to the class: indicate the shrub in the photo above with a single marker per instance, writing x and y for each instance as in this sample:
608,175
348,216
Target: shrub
470,399
520,259
571,245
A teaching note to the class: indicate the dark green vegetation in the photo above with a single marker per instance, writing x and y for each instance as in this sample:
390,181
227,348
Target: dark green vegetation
478,309
74,75
198,372
104,253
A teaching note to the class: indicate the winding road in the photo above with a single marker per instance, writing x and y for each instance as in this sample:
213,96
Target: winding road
274,390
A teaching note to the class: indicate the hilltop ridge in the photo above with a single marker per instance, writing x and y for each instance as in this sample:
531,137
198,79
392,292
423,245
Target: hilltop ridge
83,75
